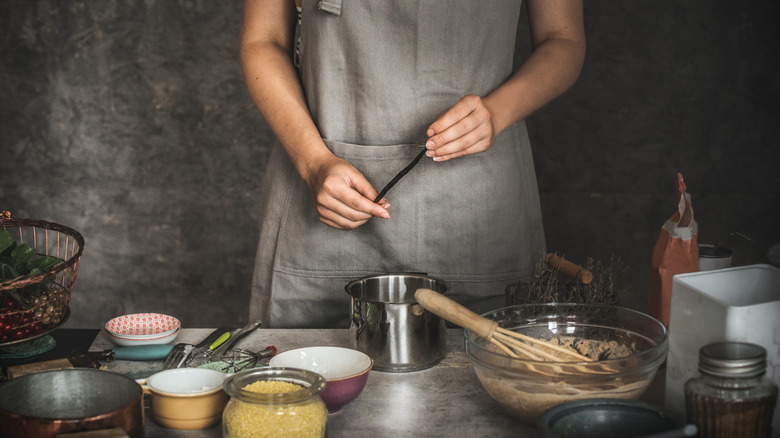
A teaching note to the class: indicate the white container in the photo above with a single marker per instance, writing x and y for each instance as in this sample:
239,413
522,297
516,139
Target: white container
713,257
733,304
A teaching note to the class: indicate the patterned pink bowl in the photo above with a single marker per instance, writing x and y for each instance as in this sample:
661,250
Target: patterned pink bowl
142,326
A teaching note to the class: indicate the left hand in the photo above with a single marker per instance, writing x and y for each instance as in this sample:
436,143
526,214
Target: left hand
466,128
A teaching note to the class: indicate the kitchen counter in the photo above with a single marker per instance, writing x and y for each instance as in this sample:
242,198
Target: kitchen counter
445,400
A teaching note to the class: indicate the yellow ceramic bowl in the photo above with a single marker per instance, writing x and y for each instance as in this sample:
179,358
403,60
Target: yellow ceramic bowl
186,398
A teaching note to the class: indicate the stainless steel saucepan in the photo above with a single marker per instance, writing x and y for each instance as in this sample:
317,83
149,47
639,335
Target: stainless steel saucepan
389,325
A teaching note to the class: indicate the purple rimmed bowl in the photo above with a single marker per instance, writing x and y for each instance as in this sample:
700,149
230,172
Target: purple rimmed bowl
345,370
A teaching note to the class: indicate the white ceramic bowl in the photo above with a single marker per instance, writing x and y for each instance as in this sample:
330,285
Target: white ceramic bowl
344,369
133,341
186,398
141,337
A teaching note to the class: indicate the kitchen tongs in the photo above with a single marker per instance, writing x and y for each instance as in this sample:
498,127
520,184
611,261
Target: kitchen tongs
207,356
182,351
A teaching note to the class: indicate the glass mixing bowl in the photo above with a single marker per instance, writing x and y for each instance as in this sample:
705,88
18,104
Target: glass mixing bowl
527,388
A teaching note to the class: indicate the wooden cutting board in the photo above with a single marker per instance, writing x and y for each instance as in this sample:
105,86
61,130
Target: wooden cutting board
35,367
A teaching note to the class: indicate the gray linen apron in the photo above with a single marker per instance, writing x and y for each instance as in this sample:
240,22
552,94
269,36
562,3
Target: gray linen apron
376,74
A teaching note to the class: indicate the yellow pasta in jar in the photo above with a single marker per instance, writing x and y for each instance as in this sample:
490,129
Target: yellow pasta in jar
276,416
272,387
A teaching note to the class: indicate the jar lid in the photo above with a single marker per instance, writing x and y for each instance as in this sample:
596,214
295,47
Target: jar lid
732,359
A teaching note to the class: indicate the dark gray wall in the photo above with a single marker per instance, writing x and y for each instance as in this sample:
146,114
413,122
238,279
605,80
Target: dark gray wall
129,122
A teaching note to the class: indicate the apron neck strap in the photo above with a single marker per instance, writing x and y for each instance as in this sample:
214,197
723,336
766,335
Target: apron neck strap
332,6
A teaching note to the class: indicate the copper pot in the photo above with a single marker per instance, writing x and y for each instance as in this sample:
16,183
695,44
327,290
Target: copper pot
55,402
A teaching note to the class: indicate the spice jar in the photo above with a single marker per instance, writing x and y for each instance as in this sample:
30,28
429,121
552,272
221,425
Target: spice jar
274,403
731,397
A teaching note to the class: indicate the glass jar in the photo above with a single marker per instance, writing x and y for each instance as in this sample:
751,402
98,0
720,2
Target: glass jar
731,397
300,413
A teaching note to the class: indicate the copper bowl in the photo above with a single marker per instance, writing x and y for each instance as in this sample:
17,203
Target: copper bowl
70,400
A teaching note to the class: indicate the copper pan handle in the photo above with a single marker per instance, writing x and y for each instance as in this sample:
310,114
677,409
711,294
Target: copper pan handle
573,270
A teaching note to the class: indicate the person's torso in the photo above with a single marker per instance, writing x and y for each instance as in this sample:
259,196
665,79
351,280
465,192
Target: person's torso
379,72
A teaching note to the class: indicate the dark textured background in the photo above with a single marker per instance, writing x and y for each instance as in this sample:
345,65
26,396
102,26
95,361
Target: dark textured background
129,121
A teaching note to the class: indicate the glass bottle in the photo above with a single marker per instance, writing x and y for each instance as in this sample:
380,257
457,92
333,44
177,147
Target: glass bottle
731,397
273,413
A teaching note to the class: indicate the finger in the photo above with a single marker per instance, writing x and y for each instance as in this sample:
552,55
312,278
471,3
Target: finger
350,196
339,222
345,204
458,132
472,138
446,153
338,213
459,111
366,201
472,130
349,209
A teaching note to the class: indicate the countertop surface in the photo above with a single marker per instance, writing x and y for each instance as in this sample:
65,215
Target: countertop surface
444,400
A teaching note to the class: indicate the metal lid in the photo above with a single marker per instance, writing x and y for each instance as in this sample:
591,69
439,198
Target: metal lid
713,251
732,359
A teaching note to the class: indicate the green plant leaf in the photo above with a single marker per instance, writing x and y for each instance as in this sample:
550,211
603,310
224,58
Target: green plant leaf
21,254
42,264
19,261
15,295
7,272
6,242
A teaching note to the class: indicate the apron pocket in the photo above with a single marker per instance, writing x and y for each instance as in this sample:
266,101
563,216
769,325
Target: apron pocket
308,247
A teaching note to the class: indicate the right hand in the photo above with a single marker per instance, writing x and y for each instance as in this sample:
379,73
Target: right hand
343,196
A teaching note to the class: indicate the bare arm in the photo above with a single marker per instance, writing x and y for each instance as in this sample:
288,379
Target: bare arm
558,37
343,196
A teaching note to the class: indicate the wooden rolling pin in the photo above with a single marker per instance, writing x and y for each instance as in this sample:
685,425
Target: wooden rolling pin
573,270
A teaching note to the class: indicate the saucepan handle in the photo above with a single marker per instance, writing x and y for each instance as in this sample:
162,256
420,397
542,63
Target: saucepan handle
573,270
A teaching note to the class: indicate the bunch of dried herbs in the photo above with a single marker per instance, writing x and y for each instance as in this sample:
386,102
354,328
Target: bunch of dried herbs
549,286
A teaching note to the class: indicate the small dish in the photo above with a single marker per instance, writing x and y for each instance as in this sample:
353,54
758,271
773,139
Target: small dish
186,398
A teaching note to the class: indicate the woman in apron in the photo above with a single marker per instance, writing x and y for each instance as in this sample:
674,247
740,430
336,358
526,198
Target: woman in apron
353,92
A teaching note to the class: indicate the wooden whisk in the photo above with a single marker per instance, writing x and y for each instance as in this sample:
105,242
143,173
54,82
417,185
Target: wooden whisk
511,343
